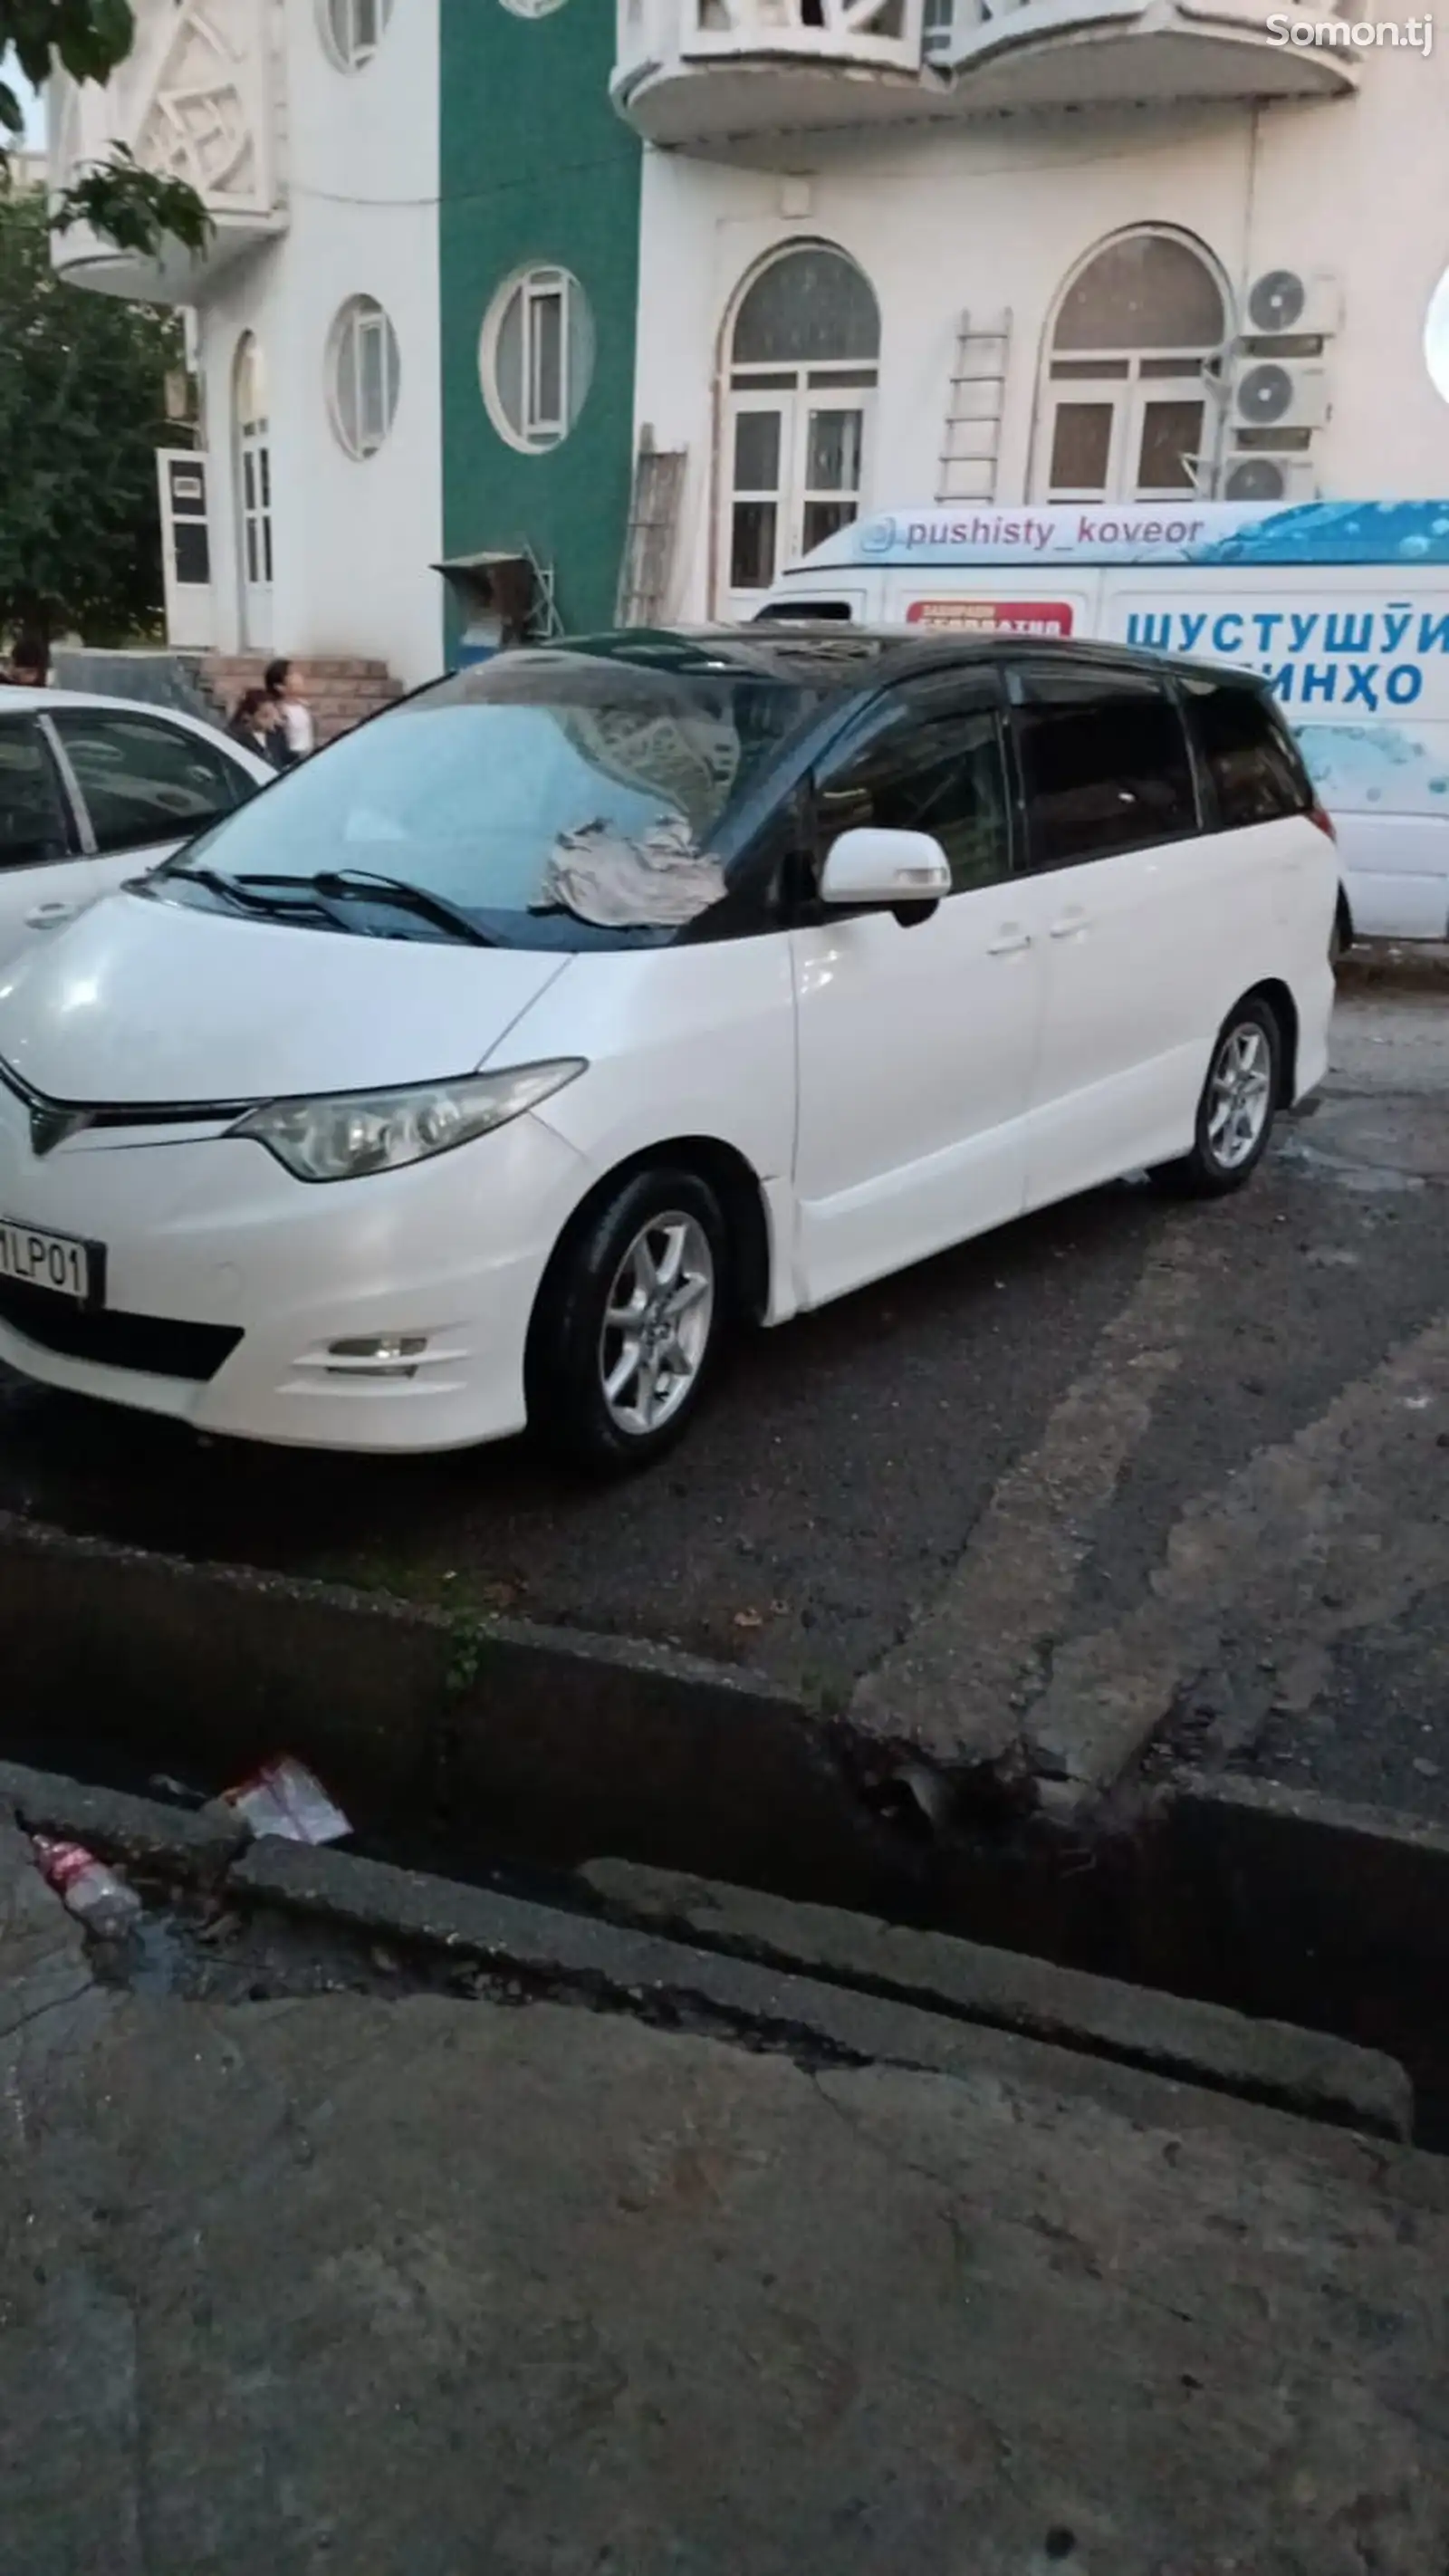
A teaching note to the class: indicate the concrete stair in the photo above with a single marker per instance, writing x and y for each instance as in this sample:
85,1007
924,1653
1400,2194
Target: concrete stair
340,690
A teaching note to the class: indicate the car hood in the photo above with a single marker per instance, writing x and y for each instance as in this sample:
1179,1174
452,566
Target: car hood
140,1001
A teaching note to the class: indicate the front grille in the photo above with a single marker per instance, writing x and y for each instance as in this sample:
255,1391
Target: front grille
150,1342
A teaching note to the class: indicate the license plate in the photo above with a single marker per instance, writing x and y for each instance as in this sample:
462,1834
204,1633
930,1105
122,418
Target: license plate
34,1259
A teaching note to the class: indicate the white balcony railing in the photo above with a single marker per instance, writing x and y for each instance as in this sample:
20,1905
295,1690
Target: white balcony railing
195,100
719,74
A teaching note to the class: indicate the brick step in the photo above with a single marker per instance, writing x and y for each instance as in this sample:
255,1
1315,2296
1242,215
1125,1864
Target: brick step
341,688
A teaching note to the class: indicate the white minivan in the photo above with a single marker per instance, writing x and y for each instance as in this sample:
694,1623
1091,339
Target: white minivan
488,1067
1342,606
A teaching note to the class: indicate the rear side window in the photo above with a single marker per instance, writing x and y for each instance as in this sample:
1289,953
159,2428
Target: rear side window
32,815
1104,762
1255,767
144,780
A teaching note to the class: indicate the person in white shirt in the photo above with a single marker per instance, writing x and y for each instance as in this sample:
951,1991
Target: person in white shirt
296,715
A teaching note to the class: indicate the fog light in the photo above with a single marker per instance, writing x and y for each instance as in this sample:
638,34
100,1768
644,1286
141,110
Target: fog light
377,1355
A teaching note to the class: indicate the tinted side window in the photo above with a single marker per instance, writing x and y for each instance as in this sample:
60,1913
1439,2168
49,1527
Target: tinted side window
33,821
934,765
1256,771
146,781
1104,764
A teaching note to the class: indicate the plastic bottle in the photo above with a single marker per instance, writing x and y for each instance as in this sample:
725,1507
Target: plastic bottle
86,1888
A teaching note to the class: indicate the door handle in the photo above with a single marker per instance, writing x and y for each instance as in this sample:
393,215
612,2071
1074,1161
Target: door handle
1011,942
1069,922
47,915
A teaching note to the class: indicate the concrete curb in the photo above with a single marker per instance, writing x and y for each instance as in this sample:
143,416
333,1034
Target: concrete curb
141,1832
1260,2061
567,1744
941,2004
591,1959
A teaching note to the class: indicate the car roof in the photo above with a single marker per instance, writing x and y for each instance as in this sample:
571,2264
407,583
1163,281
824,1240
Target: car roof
828,655
16,701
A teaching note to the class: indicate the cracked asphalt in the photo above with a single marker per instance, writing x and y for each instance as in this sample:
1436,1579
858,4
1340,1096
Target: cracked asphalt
1130,1473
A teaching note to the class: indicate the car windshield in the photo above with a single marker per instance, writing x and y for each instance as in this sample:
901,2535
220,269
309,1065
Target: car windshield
555,798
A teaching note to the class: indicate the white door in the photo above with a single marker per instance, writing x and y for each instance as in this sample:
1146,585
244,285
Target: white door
797,470
255,467
916,1043
253,464
1132,908
45,874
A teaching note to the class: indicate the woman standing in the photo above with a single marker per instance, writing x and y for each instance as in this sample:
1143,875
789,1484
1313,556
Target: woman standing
286,693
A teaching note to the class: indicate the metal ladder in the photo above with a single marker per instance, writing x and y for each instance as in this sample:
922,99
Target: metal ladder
971,444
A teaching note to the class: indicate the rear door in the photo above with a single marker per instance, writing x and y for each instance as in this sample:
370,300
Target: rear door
1131,912
915,1042
43,874
143,785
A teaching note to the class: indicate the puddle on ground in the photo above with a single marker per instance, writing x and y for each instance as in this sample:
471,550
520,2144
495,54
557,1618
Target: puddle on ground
1366,1146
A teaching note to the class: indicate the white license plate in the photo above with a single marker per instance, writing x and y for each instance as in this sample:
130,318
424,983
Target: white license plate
34,1259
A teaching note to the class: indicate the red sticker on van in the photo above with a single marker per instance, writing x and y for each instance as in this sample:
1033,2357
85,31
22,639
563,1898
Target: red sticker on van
994,616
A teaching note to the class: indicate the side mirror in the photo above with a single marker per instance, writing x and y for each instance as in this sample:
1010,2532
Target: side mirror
872,865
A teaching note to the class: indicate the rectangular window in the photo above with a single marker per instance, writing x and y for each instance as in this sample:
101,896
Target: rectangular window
372,408
545,361
145,781
33,823
934,765
1254,765
1104,764
1172,436
1081,447
752,545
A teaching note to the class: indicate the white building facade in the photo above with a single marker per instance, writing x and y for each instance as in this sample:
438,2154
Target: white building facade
315,481
999,250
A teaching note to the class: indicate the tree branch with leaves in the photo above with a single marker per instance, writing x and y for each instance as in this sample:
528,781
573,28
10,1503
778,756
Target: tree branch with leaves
137,209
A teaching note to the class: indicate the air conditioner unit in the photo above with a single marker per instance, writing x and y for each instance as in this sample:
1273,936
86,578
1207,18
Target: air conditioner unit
1269,478
1285,302
1279,393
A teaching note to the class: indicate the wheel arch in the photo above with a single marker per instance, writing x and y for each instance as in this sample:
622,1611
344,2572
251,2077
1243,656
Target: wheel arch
736,1185
1280,1001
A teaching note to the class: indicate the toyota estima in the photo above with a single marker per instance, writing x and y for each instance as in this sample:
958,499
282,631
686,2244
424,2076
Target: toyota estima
486,1069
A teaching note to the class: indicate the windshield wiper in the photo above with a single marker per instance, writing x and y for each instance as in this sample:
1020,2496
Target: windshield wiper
368,885
231,889
236,890
332,886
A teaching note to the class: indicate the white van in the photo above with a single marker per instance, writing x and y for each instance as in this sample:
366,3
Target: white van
1343,605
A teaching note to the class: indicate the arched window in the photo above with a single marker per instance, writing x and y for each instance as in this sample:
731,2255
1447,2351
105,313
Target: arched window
251,434
1127,409
803,359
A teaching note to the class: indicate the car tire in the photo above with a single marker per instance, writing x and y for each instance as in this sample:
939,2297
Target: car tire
653,1255
1239,1101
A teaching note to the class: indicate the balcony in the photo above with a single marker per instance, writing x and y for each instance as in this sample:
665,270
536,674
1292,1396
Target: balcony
724,77
196,100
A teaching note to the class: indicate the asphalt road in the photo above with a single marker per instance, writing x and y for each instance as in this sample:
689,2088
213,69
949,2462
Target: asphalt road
1126,1470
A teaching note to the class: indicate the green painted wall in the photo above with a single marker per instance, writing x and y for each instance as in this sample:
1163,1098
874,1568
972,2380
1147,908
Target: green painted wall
536,168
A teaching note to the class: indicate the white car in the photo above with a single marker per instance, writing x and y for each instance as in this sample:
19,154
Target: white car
485,1070
93,790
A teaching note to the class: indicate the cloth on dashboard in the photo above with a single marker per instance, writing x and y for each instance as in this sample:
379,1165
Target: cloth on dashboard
656,880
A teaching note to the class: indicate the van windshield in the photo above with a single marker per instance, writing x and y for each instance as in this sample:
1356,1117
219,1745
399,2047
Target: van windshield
555,798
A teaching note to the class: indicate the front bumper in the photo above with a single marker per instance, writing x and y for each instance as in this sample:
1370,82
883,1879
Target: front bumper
211,1231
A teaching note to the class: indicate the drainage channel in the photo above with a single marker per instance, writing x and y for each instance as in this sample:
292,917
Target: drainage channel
509,1761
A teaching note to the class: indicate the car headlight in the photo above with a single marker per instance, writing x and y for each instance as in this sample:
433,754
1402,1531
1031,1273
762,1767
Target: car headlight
341,1138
